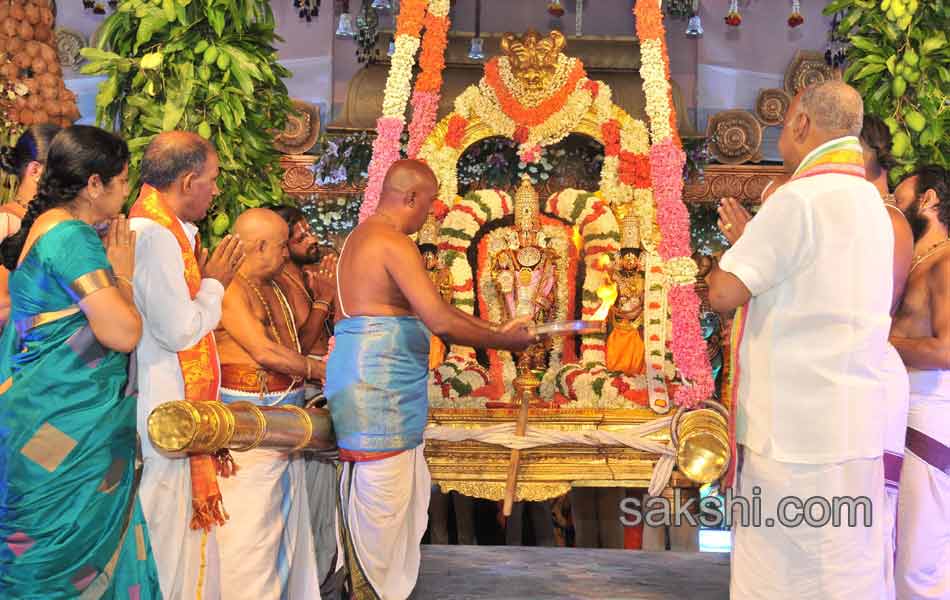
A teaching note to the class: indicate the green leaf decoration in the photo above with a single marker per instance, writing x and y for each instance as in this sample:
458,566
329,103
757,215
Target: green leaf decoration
899,62
235,97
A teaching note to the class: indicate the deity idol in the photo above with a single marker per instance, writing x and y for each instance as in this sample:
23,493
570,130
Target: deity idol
524,271
439,274
625,352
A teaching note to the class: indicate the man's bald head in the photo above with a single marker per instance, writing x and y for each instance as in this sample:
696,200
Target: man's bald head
172,154
407,177
259,224
264,235
408,191
834,107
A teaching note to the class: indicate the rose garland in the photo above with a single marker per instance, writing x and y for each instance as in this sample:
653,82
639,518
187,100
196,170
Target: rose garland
390,125
666,160
425,98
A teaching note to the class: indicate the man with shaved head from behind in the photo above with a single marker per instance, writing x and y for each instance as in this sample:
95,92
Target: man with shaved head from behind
377,383
178,291
266,549
808,272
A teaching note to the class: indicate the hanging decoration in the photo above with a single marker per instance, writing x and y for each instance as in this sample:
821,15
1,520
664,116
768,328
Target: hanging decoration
679,9
367,33
555,8
426,96
97,7
733,18
477,50
390,125
666,168
307,10
345,27
837,49
795,19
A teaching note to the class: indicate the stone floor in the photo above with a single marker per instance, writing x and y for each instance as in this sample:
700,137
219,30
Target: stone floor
525,573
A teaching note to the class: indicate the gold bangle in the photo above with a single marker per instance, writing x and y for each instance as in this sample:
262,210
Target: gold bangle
322,303
125,279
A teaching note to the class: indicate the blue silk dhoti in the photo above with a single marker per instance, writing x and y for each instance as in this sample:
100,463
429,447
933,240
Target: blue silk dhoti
377,392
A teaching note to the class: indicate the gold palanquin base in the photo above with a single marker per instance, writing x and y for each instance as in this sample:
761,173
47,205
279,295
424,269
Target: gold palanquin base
480,470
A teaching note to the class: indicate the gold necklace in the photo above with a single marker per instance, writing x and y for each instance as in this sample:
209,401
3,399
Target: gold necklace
928,253
270,317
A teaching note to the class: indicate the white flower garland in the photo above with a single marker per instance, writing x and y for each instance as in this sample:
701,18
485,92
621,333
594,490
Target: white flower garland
399,82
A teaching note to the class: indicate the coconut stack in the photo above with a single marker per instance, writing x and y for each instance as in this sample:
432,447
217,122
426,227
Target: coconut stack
29,66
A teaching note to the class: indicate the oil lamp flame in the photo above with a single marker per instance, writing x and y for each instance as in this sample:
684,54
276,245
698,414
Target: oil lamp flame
608,295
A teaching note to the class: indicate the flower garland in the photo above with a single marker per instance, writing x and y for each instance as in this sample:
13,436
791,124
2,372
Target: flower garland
390,125
600,236
624,175
425,98
667,160
595,223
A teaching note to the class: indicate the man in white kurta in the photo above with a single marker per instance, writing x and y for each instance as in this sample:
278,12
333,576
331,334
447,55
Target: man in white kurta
921,333
810,416
183,169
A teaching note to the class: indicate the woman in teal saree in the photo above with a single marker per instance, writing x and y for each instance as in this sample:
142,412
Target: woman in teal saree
70,521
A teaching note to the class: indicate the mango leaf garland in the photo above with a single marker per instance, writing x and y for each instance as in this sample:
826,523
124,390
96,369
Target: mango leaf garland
207,66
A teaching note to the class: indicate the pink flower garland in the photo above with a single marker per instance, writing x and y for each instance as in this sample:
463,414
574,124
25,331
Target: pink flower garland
385,153
666,168
690,358
667,159
425,105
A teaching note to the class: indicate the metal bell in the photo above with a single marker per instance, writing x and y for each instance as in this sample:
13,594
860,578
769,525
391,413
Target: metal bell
477,51
345,28
694,29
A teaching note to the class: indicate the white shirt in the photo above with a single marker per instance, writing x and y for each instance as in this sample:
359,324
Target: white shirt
186,559
812,381
171,320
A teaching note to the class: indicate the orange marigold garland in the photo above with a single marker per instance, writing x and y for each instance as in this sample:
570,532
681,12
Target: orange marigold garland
426,96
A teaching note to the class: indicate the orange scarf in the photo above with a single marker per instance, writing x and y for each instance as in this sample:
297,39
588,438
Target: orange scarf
199,367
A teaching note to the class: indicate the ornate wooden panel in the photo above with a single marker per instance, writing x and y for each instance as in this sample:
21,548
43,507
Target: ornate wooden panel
743,182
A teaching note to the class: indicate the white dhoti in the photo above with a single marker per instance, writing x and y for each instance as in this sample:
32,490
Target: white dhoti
923,532
896,403
805,562
187,560
266,548
384,516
